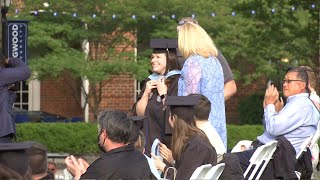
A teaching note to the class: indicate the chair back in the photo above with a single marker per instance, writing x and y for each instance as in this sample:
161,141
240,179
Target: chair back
215,172
316,136
260,159
304,146
201,172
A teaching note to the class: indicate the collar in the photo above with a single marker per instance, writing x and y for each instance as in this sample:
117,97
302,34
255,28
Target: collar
298,95
128,147
156,76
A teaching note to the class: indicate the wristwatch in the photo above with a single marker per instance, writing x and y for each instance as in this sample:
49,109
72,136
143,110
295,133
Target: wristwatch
163,96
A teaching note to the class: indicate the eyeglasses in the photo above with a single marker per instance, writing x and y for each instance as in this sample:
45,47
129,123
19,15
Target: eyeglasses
288,81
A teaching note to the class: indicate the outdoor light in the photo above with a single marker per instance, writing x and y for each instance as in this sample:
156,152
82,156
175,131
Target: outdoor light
5,4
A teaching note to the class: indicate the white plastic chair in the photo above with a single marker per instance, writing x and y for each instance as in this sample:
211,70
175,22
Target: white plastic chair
309,142
316,136
304,146
261,155
201,171
237,147
215,172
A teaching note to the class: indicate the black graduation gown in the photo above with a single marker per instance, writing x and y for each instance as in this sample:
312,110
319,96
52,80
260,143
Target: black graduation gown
121,163
196,152
157,124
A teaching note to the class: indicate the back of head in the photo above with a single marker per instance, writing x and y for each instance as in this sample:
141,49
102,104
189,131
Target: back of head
116,124
203,108
193,39
38,159
8,174
15,156
140,143
311,76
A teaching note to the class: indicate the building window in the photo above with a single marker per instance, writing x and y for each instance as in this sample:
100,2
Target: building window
138,86
22,101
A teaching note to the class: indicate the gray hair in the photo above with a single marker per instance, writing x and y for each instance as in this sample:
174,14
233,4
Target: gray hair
116,124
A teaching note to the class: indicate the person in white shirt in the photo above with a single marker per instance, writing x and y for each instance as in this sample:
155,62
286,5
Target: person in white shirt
202,111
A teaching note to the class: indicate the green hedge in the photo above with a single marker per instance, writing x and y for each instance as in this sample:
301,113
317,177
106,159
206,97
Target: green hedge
81,138
250,109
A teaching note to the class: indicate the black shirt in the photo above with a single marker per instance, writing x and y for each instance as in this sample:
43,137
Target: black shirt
121,163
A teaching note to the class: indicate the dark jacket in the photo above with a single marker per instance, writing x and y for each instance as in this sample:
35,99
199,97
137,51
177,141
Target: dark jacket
17,71
121,163
282,164
195,153
232,169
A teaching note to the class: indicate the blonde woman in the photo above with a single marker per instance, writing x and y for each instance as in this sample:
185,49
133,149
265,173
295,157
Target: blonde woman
202,73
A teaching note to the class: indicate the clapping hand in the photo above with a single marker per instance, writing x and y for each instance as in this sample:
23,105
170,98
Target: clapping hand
76,167
271,96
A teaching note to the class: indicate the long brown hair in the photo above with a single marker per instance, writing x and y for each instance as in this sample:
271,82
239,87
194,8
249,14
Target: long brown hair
181,132
172,64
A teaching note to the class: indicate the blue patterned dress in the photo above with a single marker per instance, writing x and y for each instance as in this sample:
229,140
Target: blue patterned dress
205,76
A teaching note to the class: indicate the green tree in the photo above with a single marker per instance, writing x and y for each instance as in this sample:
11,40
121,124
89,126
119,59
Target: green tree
56,36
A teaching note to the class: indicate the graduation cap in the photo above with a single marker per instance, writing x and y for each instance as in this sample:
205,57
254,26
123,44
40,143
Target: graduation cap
137,126
164,45
15,157
182,106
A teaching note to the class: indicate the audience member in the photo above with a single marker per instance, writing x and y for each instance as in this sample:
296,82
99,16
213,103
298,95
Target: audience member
14,156
312,85
12,70
9,174
52,167
201,112
230,87
137,137
187,139
202,73
164,81
37,155
119,161
296,121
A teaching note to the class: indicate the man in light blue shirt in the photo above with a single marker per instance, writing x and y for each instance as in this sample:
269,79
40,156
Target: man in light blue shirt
298,119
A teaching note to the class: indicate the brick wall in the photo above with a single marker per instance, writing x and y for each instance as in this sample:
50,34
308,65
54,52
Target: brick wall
57,97
118,94
242,92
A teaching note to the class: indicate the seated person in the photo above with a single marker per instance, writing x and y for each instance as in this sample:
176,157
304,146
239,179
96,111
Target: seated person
201,112
14,156
120,160
137,137
296,121
52,167
312,86
7,173
37,155
187,139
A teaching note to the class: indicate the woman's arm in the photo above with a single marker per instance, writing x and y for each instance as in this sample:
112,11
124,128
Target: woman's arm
143,102
191,74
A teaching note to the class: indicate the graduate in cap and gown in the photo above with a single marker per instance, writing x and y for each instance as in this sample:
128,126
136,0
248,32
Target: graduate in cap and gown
190,147
163,82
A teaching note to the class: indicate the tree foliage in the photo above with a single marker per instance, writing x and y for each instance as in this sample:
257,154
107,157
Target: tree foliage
254,44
